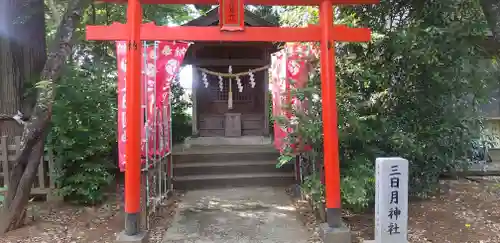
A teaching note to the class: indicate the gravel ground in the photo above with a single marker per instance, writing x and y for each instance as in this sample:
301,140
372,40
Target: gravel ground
466,211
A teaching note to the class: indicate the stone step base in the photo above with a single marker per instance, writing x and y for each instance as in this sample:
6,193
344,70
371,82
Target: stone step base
220,166
214,141
229,167
233,180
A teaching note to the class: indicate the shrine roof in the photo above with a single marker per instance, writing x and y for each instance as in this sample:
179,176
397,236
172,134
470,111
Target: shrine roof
212,18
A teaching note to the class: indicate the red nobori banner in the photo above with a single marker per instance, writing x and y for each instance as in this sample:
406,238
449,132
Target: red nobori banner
289,70
160,65
168,63
121,58
280,93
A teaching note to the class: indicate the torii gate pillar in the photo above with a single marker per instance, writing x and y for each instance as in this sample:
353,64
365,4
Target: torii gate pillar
132,232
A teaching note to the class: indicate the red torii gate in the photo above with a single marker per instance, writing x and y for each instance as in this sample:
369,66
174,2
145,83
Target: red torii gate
232,29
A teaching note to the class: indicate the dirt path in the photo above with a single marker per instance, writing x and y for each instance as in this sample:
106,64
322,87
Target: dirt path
247,214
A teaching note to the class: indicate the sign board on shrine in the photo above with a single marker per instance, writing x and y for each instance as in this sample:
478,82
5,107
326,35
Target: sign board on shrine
391,200
232,15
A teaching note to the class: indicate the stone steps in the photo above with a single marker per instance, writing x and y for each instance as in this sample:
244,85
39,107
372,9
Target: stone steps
233,180
229,166
224,153
226,167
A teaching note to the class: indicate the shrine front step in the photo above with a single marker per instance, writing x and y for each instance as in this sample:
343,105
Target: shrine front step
229,166
196,154
233,180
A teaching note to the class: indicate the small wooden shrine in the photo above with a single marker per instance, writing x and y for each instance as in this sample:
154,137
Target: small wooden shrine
230,82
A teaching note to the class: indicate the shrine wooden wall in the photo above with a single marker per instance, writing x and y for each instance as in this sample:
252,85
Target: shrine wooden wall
212,104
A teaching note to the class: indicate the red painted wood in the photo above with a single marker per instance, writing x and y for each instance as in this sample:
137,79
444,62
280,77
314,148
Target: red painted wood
133,109
328,96
150,31
232,15
252,2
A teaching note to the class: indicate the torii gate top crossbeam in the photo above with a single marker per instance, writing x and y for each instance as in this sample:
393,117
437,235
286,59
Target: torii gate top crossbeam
150,31
252,2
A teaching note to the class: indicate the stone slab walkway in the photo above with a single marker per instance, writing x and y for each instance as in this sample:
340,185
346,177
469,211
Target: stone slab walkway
236,215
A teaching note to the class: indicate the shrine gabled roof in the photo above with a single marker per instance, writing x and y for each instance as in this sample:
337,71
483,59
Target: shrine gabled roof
212,18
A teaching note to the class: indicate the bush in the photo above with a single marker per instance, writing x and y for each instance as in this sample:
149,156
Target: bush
181,121
83,133
413,92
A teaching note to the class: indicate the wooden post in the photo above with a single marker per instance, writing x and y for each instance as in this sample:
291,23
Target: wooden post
133,112
266,103
195,83
330,127
266,99
4,160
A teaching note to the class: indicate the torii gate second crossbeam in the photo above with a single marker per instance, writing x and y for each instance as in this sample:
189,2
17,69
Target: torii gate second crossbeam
231,29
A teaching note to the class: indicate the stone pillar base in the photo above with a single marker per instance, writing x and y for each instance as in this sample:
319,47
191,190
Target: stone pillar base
335,235
142,237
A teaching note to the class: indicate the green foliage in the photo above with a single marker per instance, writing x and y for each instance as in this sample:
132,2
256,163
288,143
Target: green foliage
267,13
83,131
181,121
414,91
313,187
2,197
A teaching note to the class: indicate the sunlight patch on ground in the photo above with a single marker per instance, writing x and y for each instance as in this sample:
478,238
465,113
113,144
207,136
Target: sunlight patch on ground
285,208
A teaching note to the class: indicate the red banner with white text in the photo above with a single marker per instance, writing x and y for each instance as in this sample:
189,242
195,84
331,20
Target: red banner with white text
279,88
290,71
160,65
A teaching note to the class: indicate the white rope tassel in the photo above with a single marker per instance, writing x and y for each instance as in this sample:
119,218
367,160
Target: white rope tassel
221,85
205,79
238,82
252,79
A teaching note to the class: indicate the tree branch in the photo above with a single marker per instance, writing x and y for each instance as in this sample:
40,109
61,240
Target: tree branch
491,10
55,12
20,118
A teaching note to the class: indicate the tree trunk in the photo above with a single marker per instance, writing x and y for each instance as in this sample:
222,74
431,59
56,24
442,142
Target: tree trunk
22,56
36,128
34,51
11,84
491,10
